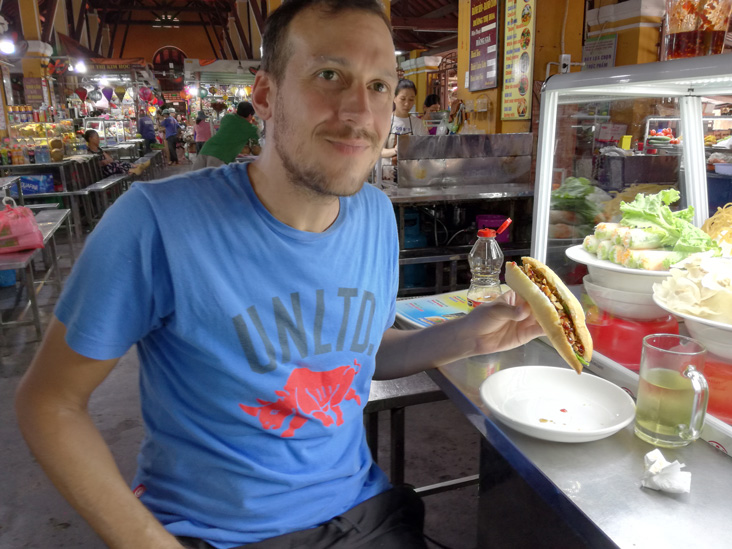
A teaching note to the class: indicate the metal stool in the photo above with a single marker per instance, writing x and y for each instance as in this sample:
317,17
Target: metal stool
395,395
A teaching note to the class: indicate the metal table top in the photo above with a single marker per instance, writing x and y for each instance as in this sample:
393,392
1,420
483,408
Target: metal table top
415,195
599,482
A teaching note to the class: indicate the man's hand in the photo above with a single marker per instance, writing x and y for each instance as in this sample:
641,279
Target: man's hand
502,324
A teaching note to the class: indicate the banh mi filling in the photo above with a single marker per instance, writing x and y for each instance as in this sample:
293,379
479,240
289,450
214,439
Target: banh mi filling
564,319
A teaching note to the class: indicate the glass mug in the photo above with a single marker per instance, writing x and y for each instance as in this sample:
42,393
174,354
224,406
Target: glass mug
695,27
672,393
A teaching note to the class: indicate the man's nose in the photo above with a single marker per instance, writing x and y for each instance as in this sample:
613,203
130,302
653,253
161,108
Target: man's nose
355,105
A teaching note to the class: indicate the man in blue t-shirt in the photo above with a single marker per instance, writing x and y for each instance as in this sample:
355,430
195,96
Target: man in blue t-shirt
146,127
260,315
171,135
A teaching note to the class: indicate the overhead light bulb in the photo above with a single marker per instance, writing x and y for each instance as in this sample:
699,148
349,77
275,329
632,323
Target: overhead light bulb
103,82
193,90
7,46
80,67
239,69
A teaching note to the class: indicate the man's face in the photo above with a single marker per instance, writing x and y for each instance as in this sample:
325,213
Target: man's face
332,108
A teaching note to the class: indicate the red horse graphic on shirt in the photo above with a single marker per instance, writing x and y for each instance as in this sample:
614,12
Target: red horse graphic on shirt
307,395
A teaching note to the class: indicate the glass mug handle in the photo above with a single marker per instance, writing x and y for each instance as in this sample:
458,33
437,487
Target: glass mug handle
699,406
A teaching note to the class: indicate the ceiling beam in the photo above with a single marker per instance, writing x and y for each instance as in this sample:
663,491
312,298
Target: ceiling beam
205,28
242,36
227,36
50,16
447,9
80,22
259,16
422,24
100,32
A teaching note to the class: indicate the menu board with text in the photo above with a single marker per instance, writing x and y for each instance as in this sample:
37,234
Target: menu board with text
518,59
483,44
33,90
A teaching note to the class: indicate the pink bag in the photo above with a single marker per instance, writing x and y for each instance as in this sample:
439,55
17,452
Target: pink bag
18,229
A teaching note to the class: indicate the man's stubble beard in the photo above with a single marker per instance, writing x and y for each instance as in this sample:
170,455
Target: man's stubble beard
300,171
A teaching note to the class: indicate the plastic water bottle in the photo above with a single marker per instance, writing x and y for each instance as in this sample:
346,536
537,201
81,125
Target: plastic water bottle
486,261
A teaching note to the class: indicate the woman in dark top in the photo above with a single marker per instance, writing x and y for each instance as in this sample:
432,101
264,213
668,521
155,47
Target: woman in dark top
110,166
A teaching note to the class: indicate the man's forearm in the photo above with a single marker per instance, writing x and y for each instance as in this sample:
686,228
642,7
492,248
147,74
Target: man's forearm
406,352
78,461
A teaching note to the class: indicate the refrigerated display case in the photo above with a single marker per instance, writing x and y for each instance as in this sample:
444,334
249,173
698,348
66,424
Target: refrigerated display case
638,96
110,132
41,133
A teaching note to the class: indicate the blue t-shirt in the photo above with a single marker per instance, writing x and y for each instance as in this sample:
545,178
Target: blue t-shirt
171,127
146,128
257,345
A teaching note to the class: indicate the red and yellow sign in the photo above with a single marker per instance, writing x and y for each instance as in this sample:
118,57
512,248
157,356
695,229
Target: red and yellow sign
518,59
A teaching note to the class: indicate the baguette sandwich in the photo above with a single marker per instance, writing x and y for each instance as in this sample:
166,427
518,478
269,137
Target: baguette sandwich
555,308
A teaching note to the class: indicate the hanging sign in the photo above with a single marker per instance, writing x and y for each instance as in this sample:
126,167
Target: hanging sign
599,53
518,59
483,44
33,90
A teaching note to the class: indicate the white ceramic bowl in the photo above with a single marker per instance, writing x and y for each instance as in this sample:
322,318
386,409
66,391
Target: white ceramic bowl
723,168
623,303
717,340
609,275
715,336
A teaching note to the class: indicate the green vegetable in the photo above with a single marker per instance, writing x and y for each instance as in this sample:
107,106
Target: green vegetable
651,213
581,359
572,196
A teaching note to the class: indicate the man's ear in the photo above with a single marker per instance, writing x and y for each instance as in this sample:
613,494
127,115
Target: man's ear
264,92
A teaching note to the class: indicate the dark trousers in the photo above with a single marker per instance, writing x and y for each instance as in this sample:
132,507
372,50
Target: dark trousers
148,142
172,140
199,146
392,520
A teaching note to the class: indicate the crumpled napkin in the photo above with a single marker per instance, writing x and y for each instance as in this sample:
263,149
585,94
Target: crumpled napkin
665,476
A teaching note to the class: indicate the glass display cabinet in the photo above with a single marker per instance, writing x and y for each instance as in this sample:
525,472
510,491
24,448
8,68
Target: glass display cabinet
110,132
578,186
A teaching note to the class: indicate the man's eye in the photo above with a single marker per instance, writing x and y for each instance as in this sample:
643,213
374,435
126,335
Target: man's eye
328,75
381,87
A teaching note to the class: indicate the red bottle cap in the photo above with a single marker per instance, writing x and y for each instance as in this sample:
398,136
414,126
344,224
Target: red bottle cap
487,233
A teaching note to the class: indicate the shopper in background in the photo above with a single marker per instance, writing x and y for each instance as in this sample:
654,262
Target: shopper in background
235,131
109,165
431,105
202,130
171,134
146,127
261,298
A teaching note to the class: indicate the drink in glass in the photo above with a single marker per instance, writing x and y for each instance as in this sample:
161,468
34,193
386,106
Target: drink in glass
695,27
672,393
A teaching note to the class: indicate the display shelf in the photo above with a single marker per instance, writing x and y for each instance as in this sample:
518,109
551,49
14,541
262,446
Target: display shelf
110,132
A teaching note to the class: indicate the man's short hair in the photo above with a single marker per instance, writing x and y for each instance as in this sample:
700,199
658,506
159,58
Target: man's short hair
244,109
276,49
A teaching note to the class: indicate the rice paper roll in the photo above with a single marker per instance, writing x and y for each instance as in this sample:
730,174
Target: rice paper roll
590,243
639,239
617,254
604,231
652,260
603,249
619,235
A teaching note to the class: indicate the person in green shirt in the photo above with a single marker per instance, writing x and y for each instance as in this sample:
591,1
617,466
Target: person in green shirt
236,130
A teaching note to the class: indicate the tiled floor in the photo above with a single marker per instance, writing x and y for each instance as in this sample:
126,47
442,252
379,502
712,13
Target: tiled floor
440,445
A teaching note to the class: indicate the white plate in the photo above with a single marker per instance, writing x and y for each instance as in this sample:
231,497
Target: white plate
556,404
617,277
715,336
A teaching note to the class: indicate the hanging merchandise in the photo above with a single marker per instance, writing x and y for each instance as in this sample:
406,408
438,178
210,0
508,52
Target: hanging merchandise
107,92
145,94
248,90
233,90
120,92
212,90
203,92
152,110
81,92
225,97
95,95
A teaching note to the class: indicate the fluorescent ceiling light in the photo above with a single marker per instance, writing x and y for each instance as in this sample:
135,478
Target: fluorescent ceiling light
80,66
7,46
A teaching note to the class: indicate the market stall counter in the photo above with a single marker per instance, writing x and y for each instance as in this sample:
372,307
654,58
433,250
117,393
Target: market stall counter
539,493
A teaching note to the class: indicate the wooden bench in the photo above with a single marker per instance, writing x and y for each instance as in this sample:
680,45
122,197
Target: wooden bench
49,221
